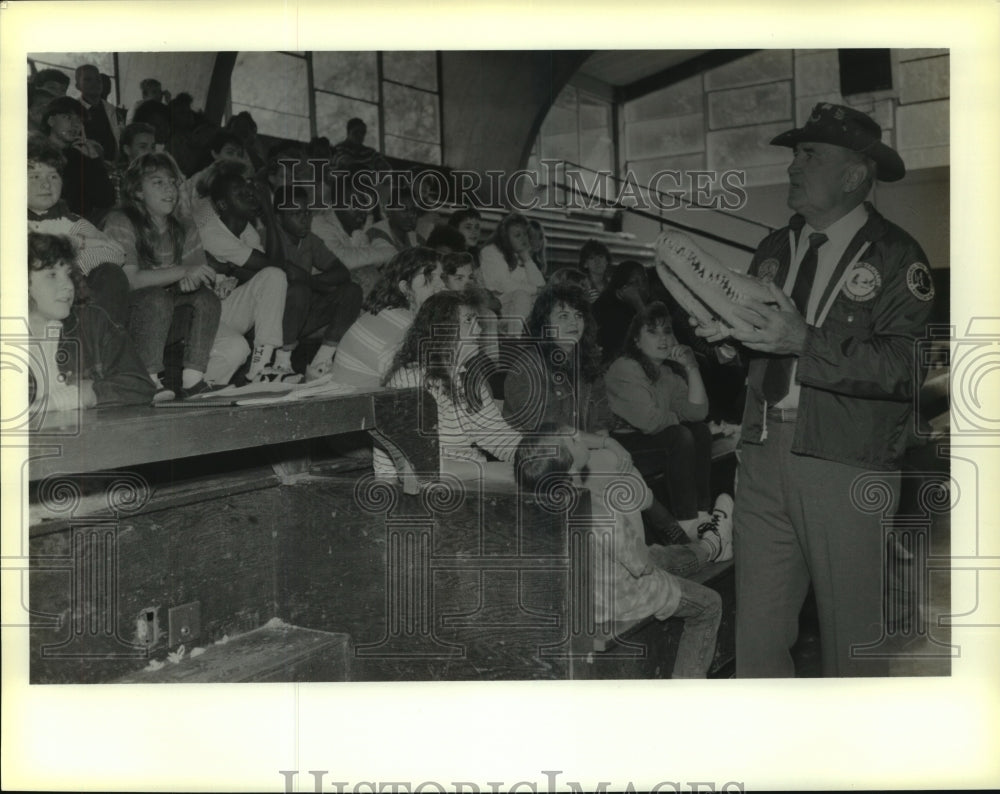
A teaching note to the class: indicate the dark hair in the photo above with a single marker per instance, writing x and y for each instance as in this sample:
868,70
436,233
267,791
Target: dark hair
404,266
623,273
501,237
548,299
456,218
149,82
446,237
220,138
84,66
42,150
150,110
594,248
215,184
243,115
430,344
51,76
651,317
36,92
355,123
49,250
136,128
571,276
290,199
145,231
61,106
543,459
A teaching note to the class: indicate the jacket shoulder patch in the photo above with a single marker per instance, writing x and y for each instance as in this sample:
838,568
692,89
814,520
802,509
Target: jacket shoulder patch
919,281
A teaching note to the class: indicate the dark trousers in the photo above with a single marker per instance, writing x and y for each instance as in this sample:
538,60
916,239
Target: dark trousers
798,520
161,315
677,464
331,311
109,288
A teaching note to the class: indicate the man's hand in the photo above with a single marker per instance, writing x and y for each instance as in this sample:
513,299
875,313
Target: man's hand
776,329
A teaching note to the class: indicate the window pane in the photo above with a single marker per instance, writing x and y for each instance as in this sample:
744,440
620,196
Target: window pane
332,113
561,118
409,113
104,61
413,68
280,125
412,150
68,61
272,81
352,73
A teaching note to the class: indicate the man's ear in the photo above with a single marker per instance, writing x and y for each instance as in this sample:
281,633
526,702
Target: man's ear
854,177
404,287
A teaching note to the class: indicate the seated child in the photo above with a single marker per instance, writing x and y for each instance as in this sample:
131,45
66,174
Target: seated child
440,352
171,282
510,272
249,280
321,300
625,582
655,390
98,257
367,349
93,363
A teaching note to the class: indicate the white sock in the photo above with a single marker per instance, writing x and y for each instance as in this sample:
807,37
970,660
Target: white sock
713,543
259,360
156,380
324,355
190,377
283,358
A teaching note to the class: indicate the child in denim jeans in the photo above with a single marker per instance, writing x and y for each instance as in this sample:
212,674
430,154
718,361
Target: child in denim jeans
626,582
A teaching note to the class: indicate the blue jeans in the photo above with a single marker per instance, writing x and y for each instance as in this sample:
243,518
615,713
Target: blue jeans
701,610
700,607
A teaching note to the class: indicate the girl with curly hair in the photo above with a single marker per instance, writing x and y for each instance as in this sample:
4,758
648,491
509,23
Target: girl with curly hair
441,353
85,359
367,349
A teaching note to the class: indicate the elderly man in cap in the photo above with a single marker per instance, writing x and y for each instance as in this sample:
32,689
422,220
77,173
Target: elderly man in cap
829,398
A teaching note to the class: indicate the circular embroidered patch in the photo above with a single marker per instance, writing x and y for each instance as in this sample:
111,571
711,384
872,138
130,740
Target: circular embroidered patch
862,282
918,279
768,270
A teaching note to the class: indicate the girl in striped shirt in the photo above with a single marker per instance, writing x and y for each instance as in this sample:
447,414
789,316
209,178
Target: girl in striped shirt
441,353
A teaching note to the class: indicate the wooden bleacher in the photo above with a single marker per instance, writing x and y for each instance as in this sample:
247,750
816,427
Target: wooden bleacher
144,510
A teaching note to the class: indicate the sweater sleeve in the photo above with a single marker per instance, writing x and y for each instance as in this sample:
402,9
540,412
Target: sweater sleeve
120,230
494,270
634,398
679,402
94,247
490,431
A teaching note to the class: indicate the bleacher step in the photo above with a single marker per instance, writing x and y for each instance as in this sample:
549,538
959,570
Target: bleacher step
276,652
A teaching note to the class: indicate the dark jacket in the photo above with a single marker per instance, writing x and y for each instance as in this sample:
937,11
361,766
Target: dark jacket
94,348
858,371
536,393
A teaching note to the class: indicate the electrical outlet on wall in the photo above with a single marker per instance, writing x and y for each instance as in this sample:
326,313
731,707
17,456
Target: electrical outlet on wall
147,626
184,623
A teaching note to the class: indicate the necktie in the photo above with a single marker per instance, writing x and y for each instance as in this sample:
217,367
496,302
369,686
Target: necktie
778,374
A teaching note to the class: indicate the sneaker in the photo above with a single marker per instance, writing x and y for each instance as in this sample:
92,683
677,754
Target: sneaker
201,387
317,371
721,524
163,395
277,374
